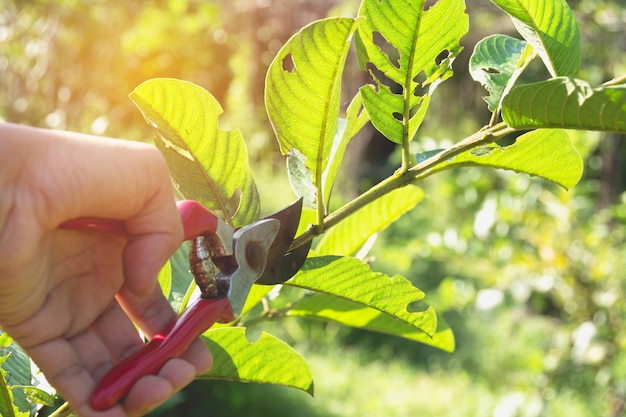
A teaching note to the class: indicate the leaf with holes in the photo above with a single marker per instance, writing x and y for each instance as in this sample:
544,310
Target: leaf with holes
566,103
38,396
551,28
544,153
496,63
268,360
207,164
303,93
351,234
352,280
409,51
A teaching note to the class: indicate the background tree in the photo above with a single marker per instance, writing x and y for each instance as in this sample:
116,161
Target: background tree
538,317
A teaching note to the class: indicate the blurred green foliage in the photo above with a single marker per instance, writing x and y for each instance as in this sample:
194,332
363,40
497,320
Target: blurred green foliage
529,276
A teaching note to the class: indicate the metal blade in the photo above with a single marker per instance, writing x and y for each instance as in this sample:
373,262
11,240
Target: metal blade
280,265
286,267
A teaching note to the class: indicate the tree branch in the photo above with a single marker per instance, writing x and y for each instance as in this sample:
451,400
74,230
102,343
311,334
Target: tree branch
402,178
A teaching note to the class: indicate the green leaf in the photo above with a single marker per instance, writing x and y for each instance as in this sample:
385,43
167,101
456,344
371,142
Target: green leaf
301,178
182,278
551,28
37,396
5,340
353,280
496,63
567,103
268,360
351,234
7,409
14,373
545,153
307,218
409,51
165,279
356,118
324,307
207,164
303,92
256,294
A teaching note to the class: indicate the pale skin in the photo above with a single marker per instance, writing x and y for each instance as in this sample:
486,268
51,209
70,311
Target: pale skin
68,298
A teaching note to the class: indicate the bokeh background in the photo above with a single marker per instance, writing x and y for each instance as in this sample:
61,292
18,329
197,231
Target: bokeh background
529,276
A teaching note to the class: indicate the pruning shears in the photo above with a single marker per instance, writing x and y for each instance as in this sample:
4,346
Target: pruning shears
225,262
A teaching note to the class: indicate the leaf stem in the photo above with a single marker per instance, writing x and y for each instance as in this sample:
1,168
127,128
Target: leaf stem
401,178
615,81
270,314
320,207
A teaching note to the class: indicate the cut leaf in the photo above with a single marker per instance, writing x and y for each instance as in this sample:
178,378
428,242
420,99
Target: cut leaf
268,360
348,313
551,28
409,51
544,153
347,237
567,103
207,164
496,63
303,92
301,177
353,280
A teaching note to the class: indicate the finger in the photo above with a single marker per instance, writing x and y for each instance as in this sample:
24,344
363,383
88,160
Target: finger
151,391
112,178
92,353
199,355
152,313
145,255
64,369
117,333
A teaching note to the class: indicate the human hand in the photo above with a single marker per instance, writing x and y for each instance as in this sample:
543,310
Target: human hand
68,298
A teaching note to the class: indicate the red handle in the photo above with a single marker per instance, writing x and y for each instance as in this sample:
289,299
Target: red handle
96,224
197,219
149,359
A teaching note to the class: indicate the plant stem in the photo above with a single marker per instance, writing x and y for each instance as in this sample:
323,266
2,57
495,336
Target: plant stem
615,81
401,178
63,411
269,315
